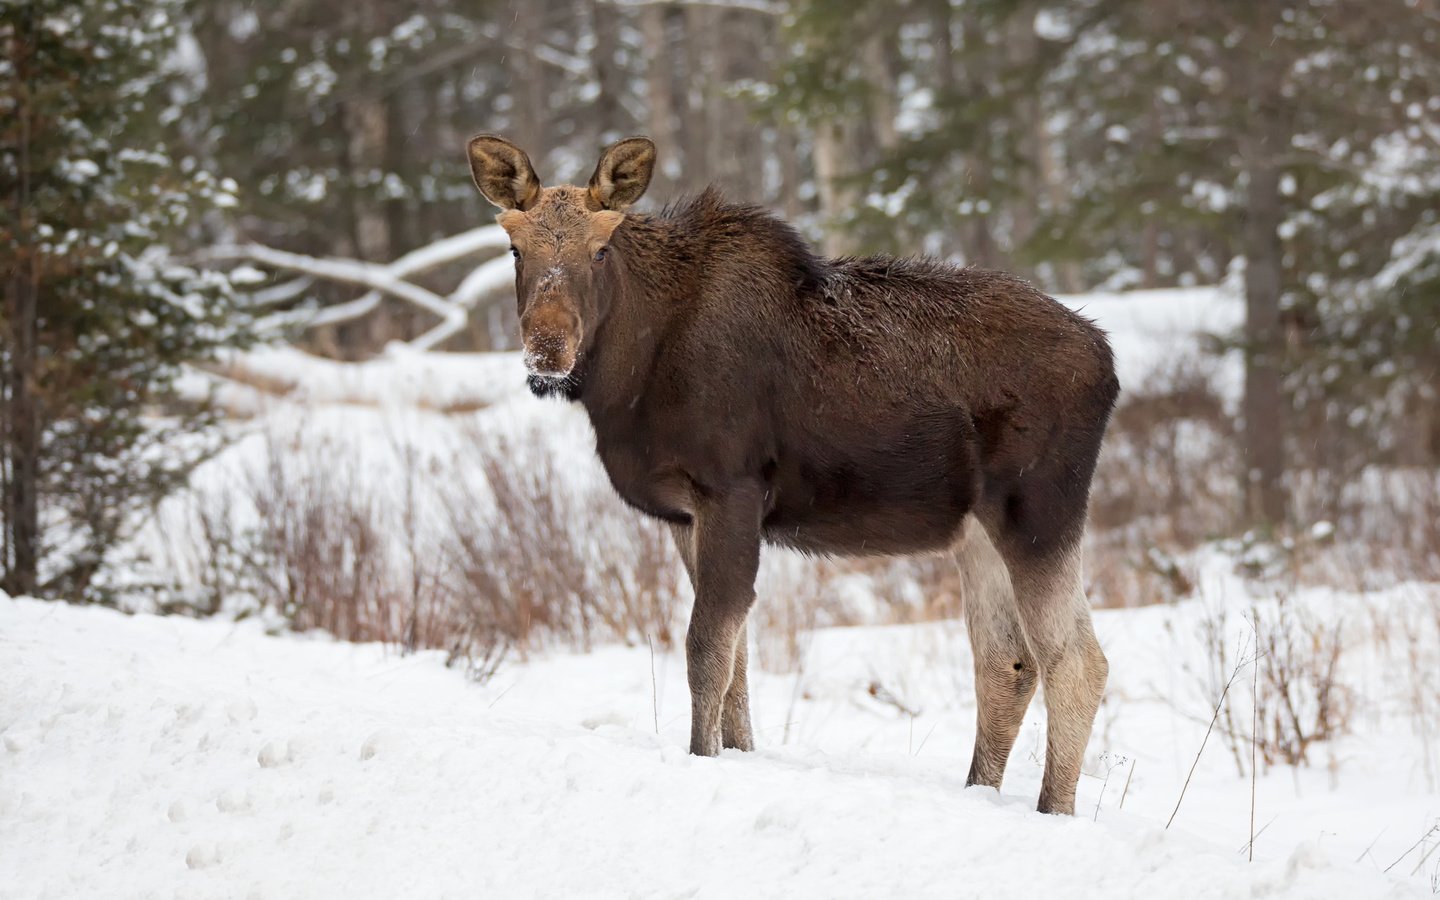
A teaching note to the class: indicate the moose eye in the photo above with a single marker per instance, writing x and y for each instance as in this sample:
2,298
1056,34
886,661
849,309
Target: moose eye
514,251
601,254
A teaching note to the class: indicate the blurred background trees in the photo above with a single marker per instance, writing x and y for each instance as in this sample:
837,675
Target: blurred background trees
1290,148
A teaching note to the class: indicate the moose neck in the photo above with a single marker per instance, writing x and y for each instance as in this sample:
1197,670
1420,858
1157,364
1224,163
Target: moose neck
664,264
655,268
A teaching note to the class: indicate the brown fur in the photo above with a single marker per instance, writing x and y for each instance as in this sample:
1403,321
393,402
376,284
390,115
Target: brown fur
748,391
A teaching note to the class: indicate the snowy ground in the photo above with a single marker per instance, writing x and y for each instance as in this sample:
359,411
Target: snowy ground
149,756
146,756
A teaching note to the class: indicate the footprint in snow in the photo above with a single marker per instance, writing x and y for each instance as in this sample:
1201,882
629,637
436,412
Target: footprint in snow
234,800
377,742
275,754
242,710
204,855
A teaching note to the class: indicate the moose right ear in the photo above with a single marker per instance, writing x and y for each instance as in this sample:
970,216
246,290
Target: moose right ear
503,173
623,174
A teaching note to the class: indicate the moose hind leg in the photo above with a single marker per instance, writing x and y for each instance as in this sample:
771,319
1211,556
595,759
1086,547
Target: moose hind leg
1055,615
1005,672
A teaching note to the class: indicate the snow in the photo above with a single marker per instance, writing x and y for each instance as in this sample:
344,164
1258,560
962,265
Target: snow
403,377
1153,330
149,756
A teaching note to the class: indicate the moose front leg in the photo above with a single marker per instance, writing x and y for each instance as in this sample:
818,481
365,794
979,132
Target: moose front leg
726,541
735,731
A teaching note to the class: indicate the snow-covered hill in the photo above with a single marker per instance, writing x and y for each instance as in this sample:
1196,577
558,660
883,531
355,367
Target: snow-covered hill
157,757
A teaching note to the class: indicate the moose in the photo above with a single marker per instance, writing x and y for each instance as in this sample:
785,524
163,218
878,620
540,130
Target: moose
747,391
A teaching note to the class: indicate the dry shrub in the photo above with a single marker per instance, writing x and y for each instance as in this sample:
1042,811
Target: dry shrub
1408,635
911,588
1167,464
1301,700
790,597
501,549
1288,695
1168,480
1385,524
322,555
539,559
1164,484
796,594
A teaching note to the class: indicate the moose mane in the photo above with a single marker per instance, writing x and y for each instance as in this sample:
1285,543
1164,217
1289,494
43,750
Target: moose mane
708,229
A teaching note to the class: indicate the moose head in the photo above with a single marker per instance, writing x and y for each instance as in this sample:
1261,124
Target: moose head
560,237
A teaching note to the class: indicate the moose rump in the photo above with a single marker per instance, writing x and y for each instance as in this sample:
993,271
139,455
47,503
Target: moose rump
748,391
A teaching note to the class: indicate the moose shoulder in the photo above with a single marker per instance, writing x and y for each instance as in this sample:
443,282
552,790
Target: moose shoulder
746,390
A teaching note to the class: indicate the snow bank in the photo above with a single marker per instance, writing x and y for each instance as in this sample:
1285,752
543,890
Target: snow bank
151,756
402,377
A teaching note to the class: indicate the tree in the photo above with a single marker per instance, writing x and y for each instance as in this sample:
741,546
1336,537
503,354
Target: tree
98,316
1238,119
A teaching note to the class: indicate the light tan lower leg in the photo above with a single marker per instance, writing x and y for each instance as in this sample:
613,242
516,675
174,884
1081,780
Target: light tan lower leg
735,730
1056,619
1005,673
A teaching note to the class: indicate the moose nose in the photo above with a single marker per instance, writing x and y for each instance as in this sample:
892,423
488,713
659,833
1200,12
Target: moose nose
551,335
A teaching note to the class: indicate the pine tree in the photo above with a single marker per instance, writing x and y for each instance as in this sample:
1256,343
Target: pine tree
98,316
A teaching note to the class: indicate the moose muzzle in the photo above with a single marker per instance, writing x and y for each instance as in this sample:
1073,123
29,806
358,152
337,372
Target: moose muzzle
551,335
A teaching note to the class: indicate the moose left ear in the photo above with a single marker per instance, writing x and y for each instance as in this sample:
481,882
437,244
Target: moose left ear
503,172
623,174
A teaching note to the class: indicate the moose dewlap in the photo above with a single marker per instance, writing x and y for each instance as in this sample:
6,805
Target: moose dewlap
747,391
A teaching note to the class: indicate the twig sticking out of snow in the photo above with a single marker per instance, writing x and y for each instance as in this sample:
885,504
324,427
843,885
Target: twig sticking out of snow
1235,673
1104,784
1254,733
654,687
1423,838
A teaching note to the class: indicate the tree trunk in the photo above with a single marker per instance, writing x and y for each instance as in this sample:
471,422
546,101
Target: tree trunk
789,159
1264,402
695,123
22,500
836,198
1150,254
660,93
877,59
605,19
528,85
953,76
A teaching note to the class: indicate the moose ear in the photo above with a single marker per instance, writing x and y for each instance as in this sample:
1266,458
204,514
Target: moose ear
503,172
623,173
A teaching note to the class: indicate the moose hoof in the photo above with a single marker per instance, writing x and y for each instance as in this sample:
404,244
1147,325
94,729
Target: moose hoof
705,746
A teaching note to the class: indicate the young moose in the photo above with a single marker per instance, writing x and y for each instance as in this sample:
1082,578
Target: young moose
746,391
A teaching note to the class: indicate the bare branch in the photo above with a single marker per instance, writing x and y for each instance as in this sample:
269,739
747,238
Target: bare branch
281,293
757,6
379,278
